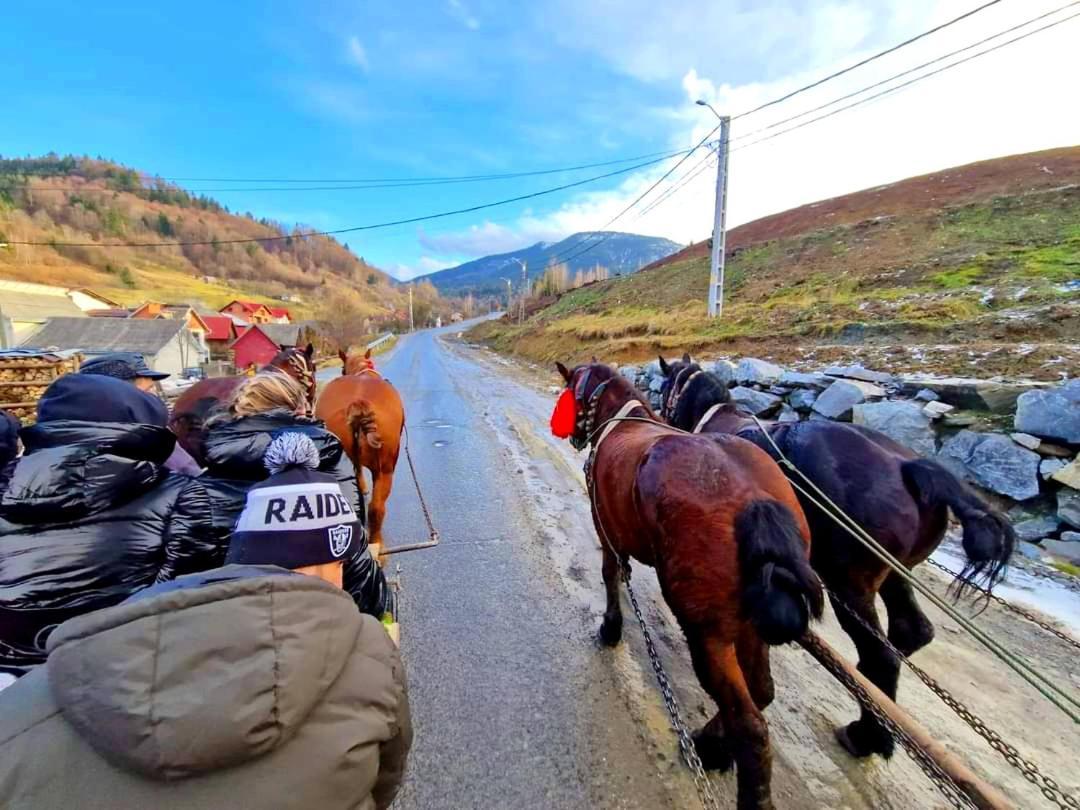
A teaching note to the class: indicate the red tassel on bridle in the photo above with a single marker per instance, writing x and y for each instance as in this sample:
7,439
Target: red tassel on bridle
564,417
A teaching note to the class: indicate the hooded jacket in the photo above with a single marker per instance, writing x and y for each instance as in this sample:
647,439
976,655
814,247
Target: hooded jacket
234,453
242,687
89,516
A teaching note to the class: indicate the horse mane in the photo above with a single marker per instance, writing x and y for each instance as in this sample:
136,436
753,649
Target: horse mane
701,393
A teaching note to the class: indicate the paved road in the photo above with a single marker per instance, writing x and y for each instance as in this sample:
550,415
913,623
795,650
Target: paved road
514,704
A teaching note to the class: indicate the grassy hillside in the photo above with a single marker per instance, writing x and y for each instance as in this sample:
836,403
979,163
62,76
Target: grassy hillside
974,268
101,203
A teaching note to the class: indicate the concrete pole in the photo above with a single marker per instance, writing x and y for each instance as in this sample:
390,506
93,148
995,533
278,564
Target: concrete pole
524,290
716,272
412,326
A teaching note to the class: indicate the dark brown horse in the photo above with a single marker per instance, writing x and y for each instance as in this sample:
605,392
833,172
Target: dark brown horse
191,409
900,499
723,529
365,412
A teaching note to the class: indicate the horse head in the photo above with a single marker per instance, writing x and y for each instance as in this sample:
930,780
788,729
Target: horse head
300,365
356,363
594,391
673,373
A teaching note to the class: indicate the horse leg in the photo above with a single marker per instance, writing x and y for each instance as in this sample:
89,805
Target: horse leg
866,735
381,483
753,655
745,734
909,628
611,627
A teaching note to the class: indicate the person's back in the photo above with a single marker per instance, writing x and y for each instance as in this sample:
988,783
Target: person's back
242,687
90,514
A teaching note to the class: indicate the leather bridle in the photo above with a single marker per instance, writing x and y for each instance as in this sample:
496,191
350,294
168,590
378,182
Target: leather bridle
671,402
585,421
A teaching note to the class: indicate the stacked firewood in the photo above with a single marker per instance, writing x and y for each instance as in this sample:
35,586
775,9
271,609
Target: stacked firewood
24,378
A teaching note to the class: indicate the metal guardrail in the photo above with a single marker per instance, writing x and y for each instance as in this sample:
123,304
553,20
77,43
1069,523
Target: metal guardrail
379,341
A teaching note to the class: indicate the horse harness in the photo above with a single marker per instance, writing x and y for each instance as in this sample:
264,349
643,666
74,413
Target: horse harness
676,392
709,414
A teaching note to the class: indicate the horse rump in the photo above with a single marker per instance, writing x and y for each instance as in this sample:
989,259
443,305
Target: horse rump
989,538
780,591
362,425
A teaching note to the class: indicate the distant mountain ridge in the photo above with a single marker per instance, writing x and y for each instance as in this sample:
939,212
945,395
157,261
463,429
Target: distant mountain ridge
620,253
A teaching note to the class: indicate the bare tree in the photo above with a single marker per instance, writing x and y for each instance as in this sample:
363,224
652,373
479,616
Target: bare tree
341,321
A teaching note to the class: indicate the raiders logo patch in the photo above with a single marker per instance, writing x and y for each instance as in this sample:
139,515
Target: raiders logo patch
340,538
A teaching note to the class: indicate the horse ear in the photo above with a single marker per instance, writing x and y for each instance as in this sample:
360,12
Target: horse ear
309,350
564,371
665,369
686,358
367,354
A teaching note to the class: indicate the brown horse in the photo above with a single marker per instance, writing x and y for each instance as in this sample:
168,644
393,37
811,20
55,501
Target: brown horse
365,412
900,499
191,409
720,524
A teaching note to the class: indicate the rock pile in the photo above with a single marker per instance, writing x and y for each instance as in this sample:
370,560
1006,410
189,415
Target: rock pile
1017,441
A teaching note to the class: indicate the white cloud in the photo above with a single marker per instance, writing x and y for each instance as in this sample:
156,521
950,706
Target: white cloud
356,54
1004,103
423,266
461,12
489,237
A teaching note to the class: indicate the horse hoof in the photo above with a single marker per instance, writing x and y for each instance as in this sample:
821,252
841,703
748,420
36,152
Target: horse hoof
610,633
855,741
713,751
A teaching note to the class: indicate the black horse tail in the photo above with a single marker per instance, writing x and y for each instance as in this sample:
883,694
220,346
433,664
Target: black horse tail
780,591
989,538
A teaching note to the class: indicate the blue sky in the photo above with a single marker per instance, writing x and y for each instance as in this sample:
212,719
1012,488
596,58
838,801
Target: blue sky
448,87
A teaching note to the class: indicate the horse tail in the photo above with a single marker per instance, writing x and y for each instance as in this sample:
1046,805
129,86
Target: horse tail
989,538
780,591
363,426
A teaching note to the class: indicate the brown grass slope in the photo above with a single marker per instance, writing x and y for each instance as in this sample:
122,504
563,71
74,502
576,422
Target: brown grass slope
101,203
972,268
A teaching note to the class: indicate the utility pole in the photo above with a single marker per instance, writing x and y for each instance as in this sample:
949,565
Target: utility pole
524,291
412,326
509,297
719,237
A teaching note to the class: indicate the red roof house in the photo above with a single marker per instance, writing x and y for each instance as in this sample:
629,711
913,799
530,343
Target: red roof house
220,334
281,314
253,346
250,311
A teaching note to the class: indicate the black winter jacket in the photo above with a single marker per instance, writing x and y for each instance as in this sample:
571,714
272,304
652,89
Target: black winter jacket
234,453
89,516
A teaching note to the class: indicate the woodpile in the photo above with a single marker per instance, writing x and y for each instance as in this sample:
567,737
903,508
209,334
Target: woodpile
24,378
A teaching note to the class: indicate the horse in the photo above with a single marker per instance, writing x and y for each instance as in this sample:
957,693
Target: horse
191,409
722,527
365,412
902,500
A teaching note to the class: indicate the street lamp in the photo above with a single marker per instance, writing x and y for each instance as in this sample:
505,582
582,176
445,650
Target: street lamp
509,293
716,264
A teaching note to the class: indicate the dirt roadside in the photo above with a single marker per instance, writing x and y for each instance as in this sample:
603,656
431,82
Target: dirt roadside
810,770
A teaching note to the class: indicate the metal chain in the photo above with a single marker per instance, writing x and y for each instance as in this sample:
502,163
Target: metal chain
942,781
686,742
1019,611
1028,769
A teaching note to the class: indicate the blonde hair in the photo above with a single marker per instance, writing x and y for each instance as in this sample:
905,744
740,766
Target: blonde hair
266,391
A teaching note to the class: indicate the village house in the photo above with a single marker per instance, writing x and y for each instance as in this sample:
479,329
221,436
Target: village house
221,332
196,324
165,343
260,342
25,307
248,311
88,300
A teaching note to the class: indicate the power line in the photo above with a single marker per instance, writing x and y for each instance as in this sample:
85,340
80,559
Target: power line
678,185
907,72
865,61
388,182
910,82
353,229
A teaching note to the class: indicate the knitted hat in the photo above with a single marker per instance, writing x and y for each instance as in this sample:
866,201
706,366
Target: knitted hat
297,517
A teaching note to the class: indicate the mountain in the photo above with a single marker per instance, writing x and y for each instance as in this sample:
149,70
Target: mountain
972,270
98,203
619,253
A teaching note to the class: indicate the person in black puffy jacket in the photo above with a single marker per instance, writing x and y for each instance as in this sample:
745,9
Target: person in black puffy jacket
90,513
262,408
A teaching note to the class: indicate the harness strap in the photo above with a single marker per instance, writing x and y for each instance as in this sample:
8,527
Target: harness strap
611,423
709,414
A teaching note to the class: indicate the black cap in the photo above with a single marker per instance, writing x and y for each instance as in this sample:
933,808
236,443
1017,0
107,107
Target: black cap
122,365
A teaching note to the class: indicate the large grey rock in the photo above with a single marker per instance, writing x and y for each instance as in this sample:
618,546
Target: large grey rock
630,372
926,395
758,403
1069,475
1064,549
802,400
1068,507
936,410
1037,528
752,371
787,415
799,379
724,369
1051,414
903,422
1070,537
839,398
859,373
1049,466
1029,550
1026,440
656,384
993,461
970,393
